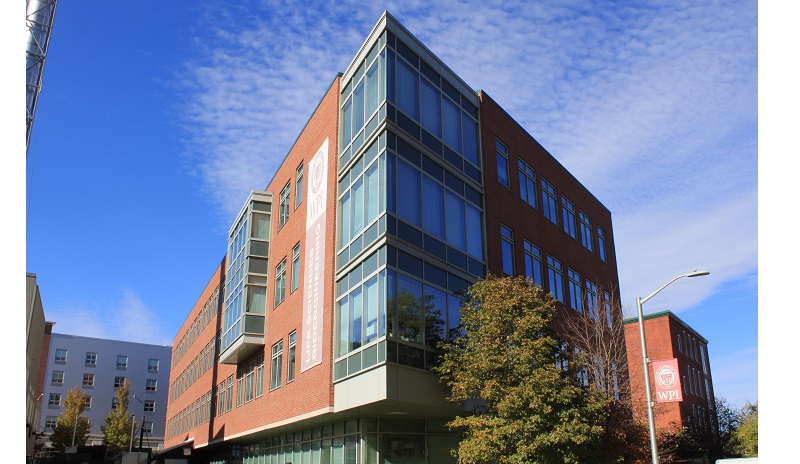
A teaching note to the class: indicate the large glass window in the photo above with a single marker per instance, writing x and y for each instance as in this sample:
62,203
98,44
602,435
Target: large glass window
298,194
502,163
431,100
408,203
555,276
549,205
410,315
586,231
277,362
292,361
455,220
601,244
280,282
574,283
433,207
283,211
295,267
527,183
507,250
568,216
407,89
533,262
451,124
591,299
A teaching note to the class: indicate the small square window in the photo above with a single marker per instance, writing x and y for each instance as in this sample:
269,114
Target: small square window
152,365
61,355
151,385
119,381
114,403
147,426
88,380
149,405
50,422
54,399
122,361
87,402
57,378
91,359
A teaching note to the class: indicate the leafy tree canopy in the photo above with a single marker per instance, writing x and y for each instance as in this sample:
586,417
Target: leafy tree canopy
746,436
508,359
118,423
71,427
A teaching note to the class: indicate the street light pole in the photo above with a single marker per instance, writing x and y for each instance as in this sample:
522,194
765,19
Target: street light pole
645,360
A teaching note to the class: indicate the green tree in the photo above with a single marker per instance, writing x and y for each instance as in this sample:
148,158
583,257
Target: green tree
713,437
71,427
745,438
118,423
529,406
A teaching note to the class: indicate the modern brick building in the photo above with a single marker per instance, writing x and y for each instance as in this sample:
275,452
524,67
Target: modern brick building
98,366
670,337
313,338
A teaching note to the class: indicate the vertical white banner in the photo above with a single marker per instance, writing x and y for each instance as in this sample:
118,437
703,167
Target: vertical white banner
314,286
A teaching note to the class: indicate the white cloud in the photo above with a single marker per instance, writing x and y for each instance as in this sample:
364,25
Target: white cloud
127,318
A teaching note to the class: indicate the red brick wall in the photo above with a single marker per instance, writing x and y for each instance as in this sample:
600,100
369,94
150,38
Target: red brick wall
505,206
313,389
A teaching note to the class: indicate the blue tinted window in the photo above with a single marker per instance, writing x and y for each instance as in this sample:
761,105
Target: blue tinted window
407,89
455,221
408,202
474,232
358,107
470,147
433,207
372,89
507,250
451,124
431,108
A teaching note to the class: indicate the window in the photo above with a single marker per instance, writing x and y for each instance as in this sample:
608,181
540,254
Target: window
50,422
298,186
549,202
586,230
54,399
91,359
152,365
527,183
568,216
280,282
591,299
61,355
151,385
119,381
555,276
260,375
114,403
249,381
147,426
601,244
574,281
507,248
502,163
122,361
88,380
533,262
607,305
277,361
292,357
295,267
87,402
149,405
283,212
58,378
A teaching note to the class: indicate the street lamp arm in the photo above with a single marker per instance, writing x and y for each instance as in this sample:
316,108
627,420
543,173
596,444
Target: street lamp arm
694,273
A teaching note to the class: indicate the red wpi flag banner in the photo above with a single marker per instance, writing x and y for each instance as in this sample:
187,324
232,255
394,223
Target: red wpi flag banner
668,380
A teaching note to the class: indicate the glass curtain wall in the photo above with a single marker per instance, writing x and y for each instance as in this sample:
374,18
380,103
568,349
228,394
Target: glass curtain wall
417,180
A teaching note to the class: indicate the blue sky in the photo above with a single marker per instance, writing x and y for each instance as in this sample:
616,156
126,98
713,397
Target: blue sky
156,120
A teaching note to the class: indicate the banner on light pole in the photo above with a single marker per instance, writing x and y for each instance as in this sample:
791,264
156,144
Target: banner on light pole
668,380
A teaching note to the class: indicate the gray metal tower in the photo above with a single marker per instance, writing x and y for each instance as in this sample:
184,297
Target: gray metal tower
39,22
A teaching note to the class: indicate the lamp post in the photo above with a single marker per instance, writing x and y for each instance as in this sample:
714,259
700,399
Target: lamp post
650,419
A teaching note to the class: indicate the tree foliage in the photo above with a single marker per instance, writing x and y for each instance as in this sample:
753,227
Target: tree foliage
598,336
118,423
745,439
71,427
529,406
